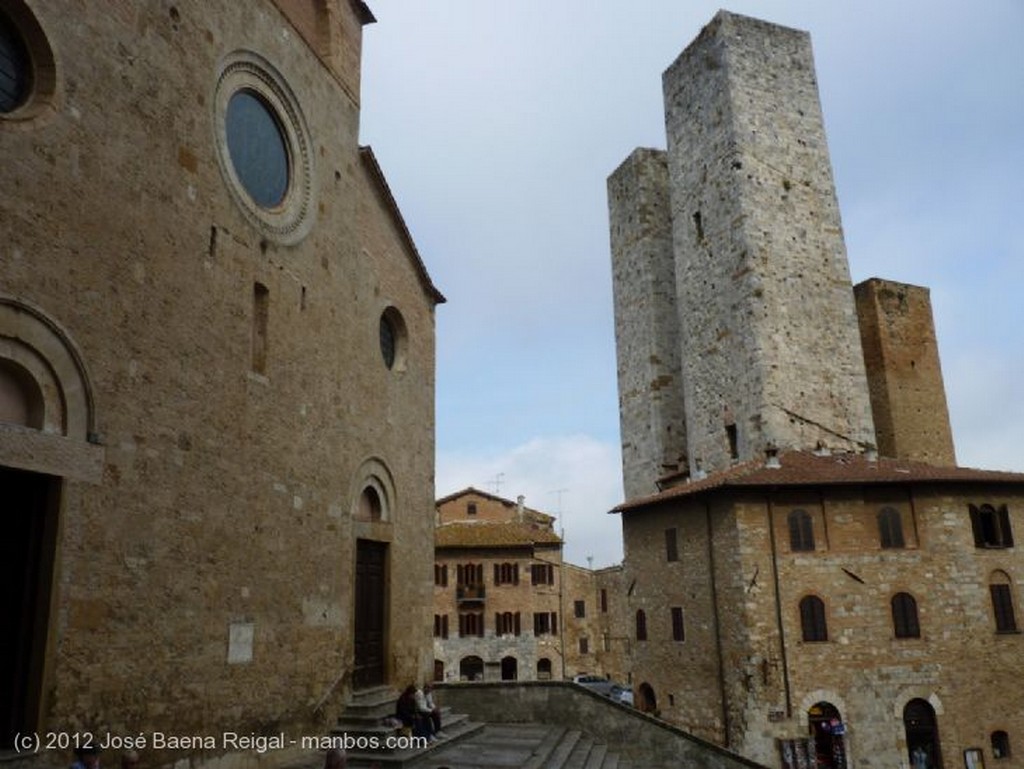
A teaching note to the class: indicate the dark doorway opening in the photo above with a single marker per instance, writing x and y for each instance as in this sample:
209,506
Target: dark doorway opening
922,735
509,669
27,547
828,731
371,610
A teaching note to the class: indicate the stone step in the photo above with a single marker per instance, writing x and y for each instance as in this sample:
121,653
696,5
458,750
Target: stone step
580,756
596,758
560,755
611,761
458,727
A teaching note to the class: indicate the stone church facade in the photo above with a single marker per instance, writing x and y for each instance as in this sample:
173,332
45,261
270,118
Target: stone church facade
812,581
216,376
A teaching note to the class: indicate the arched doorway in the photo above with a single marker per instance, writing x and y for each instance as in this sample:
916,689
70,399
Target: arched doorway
922,735
646,701
828,732
509,669
438,670
471,669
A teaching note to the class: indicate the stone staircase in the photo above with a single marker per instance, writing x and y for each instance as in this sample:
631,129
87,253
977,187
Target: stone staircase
529,746
363,724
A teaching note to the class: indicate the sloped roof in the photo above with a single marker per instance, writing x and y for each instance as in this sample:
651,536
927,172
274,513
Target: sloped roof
494,497
491,534
805,468
377,175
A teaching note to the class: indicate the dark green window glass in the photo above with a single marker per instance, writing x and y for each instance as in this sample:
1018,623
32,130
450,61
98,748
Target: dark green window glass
15,67
257,147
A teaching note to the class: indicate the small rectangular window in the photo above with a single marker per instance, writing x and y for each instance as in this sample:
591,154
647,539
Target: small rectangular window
678,630
734,447
579,609
584,646
671,545
471,508
604,601
260,320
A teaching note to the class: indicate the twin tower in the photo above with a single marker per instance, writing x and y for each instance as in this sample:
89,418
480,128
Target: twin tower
738,330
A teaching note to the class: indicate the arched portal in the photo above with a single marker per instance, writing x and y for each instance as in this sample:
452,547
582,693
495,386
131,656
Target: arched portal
828,731
471,668
647,702
922,731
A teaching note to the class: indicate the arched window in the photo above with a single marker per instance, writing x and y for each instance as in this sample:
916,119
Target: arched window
1000,744
812,619
543,669
1002,602
641,625
991,527
890,528
801,531
904,616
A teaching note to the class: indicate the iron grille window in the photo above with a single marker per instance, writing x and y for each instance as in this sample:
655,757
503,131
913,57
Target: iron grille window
801,531
812,619
904,616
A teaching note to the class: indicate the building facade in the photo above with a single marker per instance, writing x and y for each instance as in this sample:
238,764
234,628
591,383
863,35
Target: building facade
506,604
809,578
216,376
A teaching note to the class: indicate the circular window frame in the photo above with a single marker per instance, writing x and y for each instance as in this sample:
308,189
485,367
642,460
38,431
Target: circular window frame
41,92
400,334
289,221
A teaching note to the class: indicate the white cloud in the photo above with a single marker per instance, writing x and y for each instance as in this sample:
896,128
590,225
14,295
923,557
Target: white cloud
575,475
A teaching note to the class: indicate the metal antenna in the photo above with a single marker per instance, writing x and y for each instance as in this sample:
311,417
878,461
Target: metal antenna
496,482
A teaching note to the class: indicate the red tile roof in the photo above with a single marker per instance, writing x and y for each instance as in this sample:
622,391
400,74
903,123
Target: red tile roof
491,534
804,468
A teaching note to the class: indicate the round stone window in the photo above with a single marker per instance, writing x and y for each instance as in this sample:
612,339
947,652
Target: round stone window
28,74
264,147
257,147
15,67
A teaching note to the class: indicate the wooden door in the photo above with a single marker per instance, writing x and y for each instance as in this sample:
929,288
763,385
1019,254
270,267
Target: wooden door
371,610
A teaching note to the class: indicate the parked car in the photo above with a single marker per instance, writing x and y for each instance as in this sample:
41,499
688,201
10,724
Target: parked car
622,694
594,683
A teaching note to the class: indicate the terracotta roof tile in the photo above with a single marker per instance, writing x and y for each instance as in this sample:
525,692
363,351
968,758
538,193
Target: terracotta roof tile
804,468
490,534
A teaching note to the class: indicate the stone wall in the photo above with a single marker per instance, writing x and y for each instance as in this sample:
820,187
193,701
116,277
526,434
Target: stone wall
637,737
203,579
651,415
748,588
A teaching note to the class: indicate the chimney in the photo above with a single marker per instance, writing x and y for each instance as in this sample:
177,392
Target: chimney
519,506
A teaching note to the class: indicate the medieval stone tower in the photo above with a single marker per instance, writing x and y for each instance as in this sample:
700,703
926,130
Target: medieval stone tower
736,325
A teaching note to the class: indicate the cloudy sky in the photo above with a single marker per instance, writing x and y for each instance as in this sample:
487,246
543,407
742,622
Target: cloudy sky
497,124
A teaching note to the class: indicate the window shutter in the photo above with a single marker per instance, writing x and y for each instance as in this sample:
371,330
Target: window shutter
497,574
1004,525
979,539
516,621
